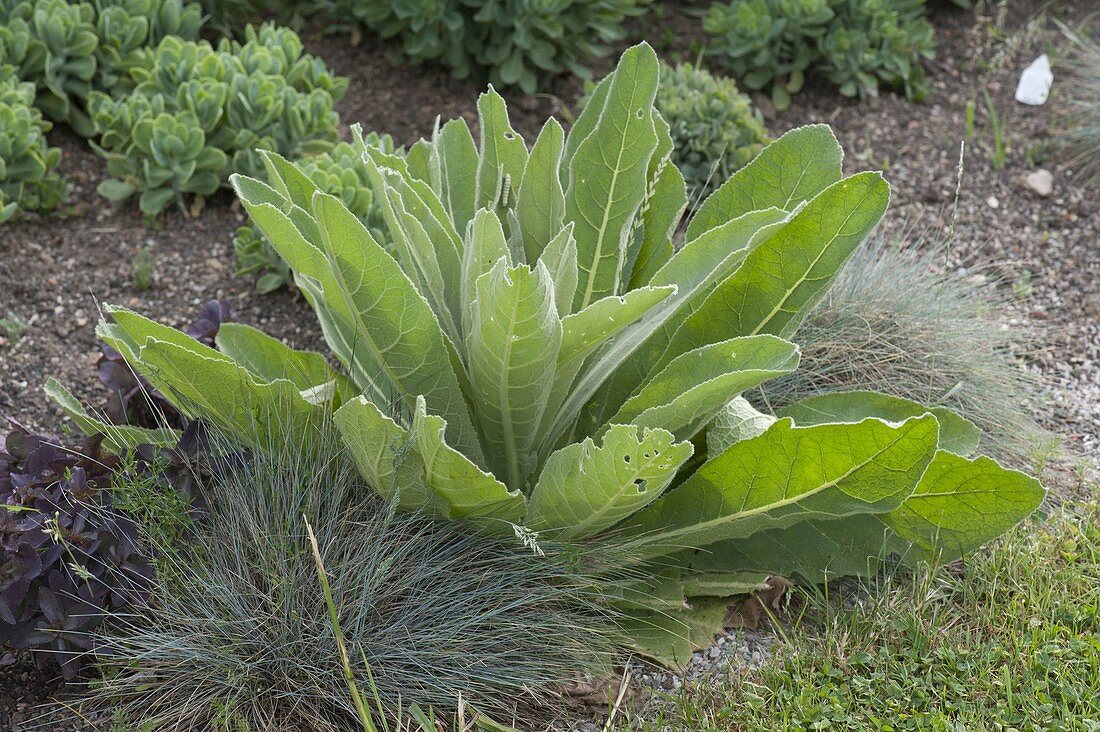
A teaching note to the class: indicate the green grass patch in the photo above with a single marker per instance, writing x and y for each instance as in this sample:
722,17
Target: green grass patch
1011,641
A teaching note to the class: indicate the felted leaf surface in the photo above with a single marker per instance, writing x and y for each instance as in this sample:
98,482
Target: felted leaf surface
584,489
271,359
957,434
393,322
540,202
421,470
794,168
786,274
738,420
790,474
607,175
687,394
512,346
117,438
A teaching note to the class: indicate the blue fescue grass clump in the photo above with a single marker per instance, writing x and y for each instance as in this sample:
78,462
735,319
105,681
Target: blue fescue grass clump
895,321
238,632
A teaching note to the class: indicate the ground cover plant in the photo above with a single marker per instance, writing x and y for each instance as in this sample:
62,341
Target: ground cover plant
558,368
714,128
858,45
198,114
68,559
28,181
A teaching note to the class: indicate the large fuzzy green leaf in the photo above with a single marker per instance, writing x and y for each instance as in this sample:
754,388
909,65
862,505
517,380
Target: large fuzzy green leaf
590,328
661,212
738,420
693,271
669,638
560,258
503,156
393,322
204,383
585,332
485,245
512,346
271,359
453,163
791,474
817,551
957,434
607,175
540,203
785,275
417,467
314,277
960,504
584,489
794,168
692,389
117,438
428,257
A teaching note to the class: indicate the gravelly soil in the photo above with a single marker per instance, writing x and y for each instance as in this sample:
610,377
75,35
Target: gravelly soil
53,272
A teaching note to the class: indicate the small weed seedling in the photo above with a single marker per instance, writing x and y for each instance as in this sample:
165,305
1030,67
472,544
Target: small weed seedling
141,270
12,326
998,153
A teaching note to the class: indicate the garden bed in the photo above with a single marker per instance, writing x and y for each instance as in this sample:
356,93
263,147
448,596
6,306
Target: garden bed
55,271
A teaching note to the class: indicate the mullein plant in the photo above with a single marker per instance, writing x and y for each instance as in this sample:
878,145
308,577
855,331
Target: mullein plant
532,356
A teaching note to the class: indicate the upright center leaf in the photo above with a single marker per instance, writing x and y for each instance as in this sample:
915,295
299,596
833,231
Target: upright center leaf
607,175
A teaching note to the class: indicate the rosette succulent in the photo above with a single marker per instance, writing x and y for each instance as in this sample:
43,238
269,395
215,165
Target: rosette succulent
857,44
513,44
27,180
198,113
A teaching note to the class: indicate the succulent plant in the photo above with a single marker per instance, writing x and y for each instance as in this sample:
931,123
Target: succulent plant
198,113
715,130
768,44
857,44
509,43
874,43
129,29
27,180
167,159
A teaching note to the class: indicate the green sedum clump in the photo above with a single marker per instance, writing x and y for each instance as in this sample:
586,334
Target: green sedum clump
197,114
68,49
341,172
531,356
715,130
27,180
513,43
859,45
